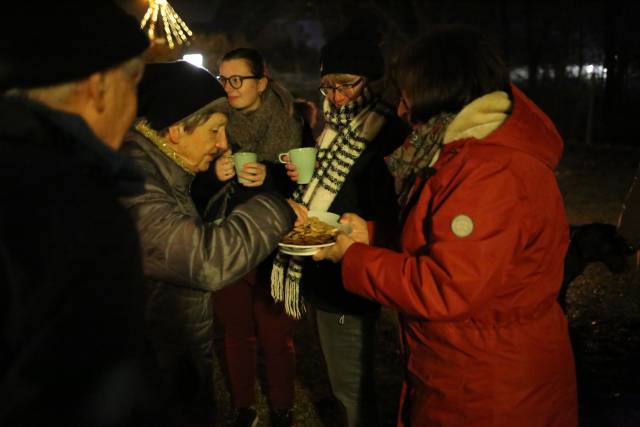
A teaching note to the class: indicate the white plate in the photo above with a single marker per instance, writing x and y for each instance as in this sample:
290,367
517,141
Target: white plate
327,217
302,250
307,250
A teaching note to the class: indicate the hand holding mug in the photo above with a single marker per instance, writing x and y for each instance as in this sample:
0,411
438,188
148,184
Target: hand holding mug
253,174
303,161
224,168
292,170
250,176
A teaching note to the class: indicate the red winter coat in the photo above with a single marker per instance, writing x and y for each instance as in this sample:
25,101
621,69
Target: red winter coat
476,283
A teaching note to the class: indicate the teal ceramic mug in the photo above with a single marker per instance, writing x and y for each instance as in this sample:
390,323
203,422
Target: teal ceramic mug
305,161
239,159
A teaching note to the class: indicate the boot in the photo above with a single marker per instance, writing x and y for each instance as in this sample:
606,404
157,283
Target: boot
245,417
281,417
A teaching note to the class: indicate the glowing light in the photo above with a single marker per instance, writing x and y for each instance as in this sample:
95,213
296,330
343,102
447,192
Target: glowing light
195,59
174,29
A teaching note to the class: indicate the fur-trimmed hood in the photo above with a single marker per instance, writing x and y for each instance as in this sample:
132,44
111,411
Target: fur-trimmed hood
516,123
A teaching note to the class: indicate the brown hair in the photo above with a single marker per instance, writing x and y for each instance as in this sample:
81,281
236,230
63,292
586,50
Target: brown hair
448,68
251,56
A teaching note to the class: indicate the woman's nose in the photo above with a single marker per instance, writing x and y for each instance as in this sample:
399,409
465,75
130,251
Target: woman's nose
227,87
403,111
222,142
339,99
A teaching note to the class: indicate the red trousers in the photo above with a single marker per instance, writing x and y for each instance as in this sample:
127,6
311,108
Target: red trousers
249,316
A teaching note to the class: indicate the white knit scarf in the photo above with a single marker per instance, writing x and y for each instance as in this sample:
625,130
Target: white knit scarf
343,139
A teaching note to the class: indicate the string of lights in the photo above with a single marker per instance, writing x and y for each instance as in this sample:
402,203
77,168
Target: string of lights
173,28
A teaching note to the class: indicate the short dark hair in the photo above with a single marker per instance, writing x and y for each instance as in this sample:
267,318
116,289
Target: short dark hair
448,68
252,56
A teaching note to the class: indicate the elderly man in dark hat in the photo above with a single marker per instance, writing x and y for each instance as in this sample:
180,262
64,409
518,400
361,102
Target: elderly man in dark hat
181,129
71,314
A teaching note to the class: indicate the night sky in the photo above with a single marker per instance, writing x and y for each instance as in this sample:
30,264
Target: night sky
580,60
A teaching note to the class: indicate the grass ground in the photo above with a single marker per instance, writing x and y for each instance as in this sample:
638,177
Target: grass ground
604,309
604,315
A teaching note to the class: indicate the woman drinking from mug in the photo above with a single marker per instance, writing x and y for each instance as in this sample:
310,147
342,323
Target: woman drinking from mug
350,176
180,130
261,121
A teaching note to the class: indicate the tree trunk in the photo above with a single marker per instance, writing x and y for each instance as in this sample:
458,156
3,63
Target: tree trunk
506,33
612,84
533,57
591,85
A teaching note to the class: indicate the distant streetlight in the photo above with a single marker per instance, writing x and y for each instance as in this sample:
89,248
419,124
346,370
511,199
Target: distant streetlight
195,59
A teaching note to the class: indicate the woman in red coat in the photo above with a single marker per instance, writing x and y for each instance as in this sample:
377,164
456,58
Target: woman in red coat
482,246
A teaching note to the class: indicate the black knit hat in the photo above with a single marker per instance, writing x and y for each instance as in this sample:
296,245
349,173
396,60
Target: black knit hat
59,41
352,52
172,91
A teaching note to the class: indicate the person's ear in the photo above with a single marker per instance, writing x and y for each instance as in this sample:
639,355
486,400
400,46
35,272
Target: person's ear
262,84
96,86
175,133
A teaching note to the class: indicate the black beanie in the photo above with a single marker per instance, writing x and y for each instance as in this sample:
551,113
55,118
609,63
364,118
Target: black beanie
49,42
352,52
172,91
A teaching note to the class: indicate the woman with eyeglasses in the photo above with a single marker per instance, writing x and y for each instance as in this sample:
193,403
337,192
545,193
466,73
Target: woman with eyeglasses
261,120
350,176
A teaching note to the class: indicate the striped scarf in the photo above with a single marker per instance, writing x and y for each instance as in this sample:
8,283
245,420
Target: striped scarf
343,139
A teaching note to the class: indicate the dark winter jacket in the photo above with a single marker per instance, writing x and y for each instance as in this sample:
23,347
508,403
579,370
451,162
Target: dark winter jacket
369,192
71,285
185,259
180,249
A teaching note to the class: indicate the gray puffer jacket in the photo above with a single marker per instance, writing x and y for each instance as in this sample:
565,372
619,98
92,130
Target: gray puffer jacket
179,249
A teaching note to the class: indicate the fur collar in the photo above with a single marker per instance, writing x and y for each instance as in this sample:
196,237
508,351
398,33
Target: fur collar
480,117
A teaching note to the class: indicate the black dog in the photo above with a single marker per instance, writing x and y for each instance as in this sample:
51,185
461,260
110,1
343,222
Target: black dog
594,242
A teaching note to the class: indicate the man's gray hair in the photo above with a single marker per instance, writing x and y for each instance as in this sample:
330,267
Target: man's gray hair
61,93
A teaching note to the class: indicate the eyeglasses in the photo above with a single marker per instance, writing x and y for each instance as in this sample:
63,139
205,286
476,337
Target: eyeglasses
235,81
343,88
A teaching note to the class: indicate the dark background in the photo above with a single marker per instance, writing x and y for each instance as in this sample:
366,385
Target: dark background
579,60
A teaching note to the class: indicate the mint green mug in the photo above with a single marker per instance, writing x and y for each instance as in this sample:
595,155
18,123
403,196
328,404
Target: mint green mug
305,161
239,159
